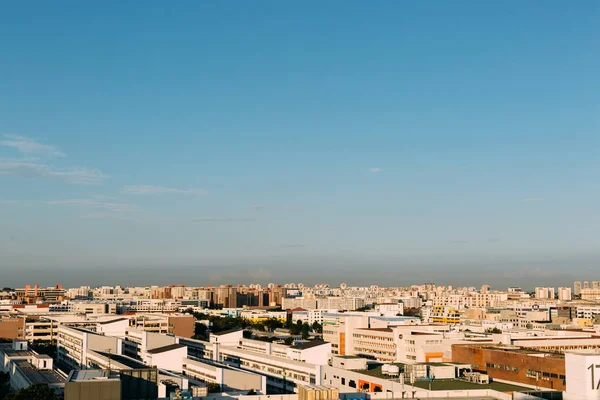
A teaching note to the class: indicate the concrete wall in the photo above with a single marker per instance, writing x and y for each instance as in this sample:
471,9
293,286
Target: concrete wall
168,360
183,326
154,340
12,328
583,375
103,343
518,362
116,328
93,390
241,381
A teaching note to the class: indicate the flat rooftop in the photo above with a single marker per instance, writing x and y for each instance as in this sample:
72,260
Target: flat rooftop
45,376
374,369
91,374
166,348
128,362
457,384
7,348
515,349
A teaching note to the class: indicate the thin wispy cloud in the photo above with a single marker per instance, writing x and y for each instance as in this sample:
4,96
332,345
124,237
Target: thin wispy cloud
30,146
115,207
25,169
263,207
292,246
103,197
105,215
222,219
157,190
532,200
375,170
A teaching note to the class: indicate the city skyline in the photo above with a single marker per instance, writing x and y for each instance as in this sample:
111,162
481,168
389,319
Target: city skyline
302,142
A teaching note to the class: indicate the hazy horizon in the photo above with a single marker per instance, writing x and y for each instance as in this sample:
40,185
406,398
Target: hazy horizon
526,273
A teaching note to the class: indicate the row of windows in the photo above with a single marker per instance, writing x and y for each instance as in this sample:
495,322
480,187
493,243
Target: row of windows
502,367
530,373
371,337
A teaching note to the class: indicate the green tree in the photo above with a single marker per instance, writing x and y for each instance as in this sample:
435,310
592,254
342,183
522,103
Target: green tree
213,387
272,324
38,392
44,347
289,341
200,332
4,384
317,327
305,330
296,329
494,330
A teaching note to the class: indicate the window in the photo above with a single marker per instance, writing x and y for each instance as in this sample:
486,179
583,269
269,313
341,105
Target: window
352,384
343,381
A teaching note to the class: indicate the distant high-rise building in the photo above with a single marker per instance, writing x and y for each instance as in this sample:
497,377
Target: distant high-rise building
595,284
544,292
586,285
577,288
484,289
564,293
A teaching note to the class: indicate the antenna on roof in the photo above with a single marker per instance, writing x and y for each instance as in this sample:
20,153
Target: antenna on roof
109,353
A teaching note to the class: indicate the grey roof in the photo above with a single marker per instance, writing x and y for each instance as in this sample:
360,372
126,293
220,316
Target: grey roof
18,353
166,348
90,374
35,375
226,332
128,362
112,320
309,345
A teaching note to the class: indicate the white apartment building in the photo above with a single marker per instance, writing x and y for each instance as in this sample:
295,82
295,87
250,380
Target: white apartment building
564,294
588,311
590,294
73,343
310,316
544,292
281,374
148,305
298,302
324,303
469,299
228,378
390,309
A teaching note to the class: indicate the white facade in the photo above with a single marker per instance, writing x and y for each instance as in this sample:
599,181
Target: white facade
544,292
582,375
564,293
170,358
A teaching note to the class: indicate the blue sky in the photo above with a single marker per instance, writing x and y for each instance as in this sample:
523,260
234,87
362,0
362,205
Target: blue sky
252,140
